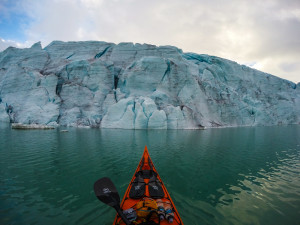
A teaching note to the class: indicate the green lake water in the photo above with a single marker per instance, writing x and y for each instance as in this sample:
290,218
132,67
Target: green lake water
214,176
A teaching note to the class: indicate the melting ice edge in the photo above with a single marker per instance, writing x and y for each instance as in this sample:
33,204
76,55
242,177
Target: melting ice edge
138,86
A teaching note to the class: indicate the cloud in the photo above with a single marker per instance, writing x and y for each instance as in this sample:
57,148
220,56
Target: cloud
4,44
266,32
288,68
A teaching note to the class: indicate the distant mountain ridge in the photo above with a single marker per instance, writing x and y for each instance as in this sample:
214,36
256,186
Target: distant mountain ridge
138,86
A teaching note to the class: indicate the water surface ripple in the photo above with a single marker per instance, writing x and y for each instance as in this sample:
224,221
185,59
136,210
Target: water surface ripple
215,176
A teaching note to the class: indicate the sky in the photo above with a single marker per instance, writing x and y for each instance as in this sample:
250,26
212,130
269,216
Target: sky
264,35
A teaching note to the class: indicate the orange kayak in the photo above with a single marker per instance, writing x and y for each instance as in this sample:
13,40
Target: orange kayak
146,185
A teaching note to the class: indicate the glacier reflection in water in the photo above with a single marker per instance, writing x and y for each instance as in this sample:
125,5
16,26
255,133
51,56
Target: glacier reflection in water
215,176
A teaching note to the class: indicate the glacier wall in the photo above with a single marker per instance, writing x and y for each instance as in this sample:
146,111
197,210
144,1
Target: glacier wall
135,86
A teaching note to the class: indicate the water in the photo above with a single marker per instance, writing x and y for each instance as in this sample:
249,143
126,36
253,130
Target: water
215,176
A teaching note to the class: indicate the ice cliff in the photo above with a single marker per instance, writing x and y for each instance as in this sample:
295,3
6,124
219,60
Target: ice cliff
137,86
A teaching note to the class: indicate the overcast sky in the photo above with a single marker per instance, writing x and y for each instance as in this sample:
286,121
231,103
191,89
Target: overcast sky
263,34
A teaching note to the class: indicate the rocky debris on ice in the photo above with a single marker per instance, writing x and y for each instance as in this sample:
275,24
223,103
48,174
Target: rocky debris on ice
21,126
135,86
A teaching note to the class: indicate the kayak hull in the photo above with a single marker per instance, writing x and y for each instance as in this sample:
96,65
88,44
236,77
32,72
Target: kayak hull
127,202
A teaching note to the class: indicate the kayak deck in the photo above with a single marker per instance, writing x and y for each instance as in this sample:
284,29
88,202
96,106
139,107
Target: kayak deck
147,165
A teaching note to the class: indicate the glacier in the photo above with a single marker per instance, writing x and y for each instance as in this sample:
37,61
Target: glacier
138,86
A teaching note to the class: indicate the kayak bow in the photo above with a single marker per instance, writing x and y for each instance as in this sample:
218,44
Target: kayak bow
147,184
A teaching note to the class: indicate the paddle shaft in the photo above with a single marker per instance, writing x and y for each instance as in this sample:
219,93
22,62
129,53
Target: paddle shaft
121,214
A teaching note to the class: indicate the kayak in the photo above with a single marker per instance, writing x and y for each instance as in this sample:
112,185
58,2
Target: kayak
146,187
